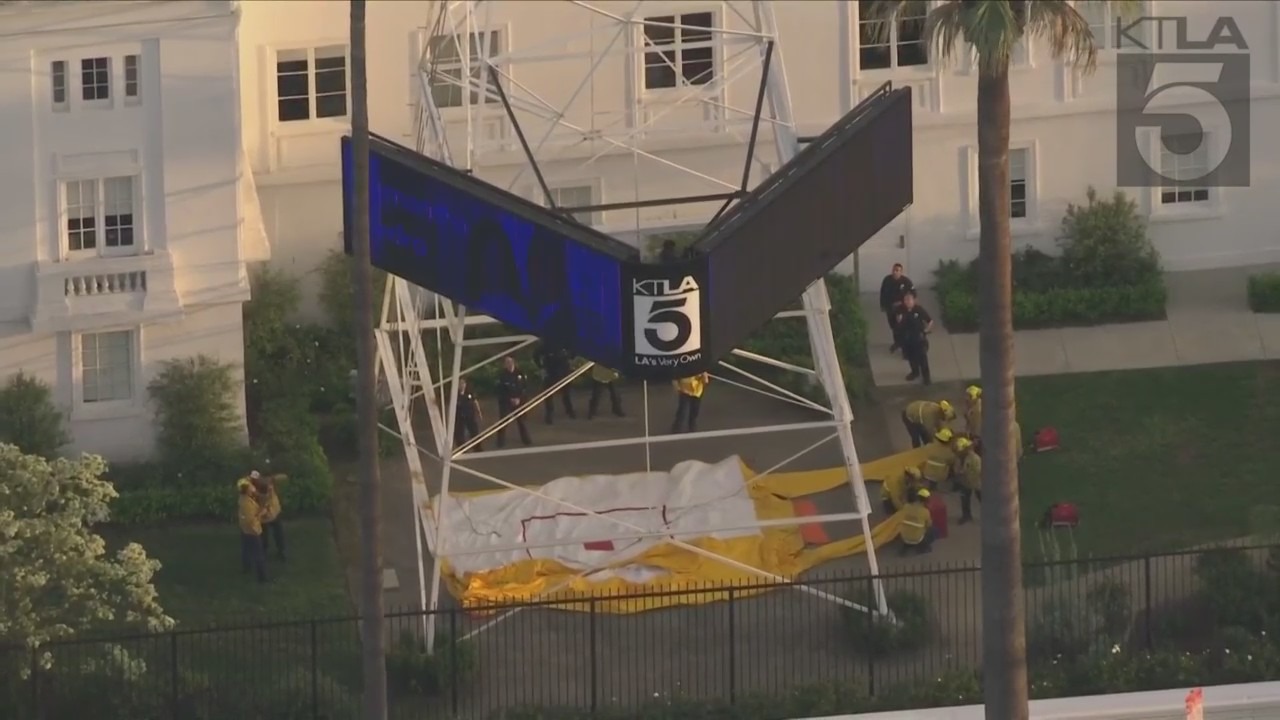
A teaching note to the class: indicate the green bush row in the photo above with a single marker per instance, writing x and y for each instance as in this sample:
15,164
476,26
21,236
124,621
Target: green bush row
1060,308
1264,292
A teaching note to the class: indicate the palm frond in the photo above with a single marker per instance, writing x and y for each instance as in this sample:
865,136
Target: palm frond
943,26
993,29
1066,30
880,15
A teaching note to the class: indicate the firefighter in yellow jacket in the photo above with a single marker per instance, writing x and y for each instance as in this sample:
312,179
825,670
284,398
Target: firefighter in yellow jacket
923,419
896,489
689,401
940,459
969,474
272,526
973,412
252,556
917,525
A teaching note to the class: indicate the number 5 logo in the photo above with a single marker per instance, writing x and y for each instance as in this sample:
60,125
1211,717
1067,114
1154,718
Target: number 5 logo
1184,122
668,324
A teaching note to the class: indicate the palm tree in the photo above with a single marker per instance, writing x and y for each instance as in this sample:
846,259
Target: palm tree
371,610
989,30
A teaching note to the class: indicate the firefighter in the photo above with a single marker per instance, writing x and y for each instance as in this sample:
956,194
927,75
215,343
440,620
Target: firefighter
272,526
973,412
512,385
604,379
689,401
923,419
252,556
895,490
940,460
555,363
970,477
917,525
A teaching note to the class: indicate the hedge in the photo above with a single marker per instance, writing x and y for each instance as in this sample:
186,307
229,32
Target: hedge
1264,292
1065,307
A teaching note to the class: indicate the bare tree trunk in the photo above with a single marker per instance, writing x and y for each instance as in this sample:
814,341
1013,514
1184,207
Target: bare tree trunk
1004,648
372,638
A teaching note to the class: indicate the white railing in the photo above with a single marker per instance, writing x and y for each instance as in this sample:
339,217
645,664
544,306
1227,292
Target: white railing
105,284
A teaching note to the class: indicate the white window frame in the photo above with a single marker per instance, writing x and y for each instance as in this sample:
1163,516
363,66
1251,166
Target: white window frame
1104,34
486,106
125,82
100,248
311,121
1019,227
593,186
65,104
1209,208
101,103
106,409
892,42
677,11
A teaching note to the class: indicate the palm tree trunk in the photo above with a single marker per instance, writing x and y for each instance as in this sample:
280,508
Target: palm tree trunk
1004,649
371,610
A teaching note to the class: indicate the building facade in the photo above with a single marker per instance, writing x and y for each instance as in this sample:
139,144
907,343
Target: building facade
125,233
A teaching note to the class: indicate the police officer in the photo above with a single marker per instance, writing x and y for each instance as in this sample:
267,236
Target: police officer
668,253
914,324
893,289
512,385
554,362
603,380
467,423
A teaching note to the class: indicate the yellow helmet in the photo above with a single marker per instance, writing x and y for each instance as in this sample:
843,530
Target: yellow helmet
974,392
944,435
243,484
963,444
922,494
913,473
947,411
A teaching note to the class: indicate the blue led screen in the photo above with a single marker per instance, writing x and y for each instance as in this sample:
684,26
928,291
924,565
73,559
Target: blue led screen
492,255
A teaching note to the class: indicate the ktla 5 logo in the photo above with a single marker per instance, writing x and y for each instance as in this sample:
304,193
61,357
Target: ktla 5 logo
668,316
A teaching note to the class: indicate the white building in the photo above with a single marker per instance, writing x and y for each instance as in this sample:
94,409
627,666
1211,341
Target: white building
165,137
125,235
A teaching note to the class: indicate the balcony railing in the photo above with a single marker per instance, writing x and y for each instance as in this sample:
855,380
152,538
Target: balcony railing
75,295
106,284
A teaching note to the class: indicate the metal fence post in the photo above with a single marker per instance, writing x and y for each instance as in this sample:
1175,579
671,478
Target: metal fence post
871,631
1146,584
173,676
733,648
453,660
591,635
315,673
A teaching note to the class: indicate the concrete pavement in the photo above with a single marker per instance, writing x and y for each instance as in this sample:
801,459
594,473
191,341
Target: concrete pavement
1208,321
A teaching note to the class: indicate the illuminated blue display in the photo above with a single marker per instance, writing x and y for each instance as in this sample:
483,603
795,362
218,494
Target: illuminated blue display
493,260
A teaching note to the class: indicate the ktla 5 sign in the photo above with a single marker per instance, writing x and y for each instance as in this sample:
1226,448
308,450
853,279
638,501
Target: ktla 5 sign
1187,104
668,321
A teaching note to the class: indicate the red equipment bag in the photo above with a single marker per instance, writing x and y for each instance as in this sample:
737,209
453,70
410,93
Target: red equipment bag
1061,515
938,513
1045,439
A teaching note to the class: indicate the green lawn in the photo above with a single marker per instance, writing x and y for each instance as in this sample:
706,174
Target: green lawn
1156,460
200,580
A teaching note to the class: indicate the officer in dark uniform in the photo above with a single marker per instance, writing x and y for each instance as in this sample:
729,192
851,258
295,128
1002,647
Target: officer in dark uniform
467,424
893,288
511,395
555,363
668,253
915,324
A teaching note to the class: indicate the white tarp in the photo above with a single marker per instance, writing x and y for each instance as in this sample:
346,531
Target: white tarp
685,502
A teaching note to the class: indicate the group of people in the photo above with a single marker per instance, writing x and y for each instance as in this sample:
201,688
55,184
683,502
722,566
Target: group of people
908,321
260,524
953,461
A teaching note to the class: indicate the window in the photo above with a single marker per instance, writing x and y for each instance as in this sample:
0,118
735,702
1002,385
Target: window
131,87
679,51
106,366
58,83
902,46
311,83
95,79
1102,24
100,215
577,196
1018,181
1184,158
450,77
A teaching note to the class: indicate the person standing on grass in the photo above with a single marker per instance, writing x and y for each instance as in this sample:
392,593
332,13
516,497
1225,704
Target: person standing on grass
272,526
252,556
915,324
689,401
893,289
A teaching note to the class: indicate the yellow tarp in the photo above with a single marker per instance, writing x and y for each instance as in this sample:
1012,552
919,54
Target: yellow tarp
775,551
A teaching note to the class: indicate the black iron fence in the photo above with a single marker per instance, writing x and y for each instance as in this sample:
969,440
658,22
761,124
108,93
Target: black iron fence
572,657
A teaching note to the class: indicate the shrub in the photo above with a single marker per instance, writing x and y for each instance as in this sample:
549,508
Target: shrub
199,437
411,670
1065,628
1264,292
29,419
338,293
1236,592
906,628
1105,243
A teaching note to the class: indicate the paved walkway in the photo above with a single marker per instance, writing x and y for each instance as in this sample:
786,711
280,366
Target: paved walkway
1209,321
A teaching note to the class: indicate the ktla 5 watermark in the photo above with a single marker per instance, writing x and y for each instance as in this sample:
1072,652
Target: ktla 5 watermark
1182,114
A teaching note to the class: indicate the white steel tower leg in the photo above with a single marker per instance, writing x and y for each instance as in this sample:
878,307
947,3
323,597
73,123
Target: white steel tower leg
817,303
